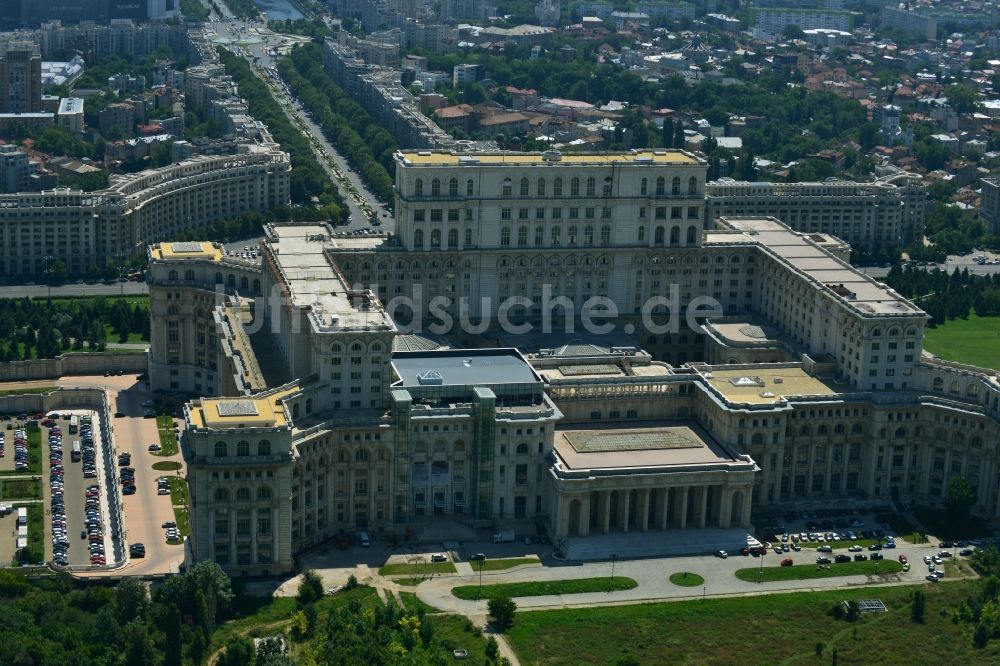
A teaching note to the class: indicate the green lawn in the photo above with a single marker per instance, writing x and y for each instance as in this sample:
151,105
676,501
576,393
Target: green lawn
770,629
416,568
409,582
26,391
501,564
181,518
804,571
686,579
178,491
975,340
20,489
167,466
413,603
35,552
34,452
543,588
168,438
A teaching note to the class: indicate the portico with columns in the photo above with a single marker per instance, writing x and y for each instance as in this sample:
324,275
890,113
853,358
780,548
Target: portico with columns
665,477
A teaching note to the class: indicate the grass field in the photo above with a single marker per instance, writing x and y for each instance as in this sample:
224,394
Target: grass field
975,340
413,603
686,579
418,568
178,491
20,489
501,564
168,438
35,552
805,571
181,518
409,582
771,629
167,466
26,391
543,588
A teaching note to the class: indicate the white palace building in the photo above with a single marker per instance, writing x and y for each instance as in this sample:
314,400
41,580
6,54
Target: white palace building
323,410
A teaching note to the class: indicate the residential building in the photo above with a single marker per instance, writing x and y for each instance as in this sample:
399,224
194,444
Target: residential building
770,22
20,78
70,114
989,209
908,21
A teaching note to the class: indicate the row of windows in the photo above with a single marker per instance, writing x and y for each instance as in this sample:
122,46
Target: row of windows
540,189
242,448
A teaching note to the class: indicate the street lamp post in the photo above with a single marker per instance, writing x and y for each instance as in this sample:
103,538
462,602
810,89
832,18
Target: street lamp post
48,273
614,556
482,565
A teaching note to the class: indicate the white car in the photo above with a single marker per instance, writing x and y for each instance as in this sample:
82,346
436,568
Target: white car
855,549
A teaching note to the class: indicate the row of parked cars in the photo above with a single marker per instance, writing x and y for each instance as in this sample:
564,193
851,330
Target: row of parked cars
60,537
88,450
21,458
127,476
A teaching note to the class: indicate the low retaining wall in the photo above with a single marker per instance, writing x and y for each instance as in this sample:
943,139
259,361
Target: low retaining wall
95,363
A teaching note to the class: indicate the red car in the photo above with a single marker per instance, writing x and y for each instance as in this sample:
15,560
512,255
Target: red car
787,562
902,559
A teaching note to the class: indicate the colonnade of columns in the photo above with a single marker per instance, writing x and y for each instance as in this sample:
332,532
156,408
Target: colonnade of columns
643,509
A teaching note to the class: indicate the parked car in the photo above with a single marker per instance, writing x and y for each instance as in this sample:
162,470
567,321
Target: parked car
721,553
787,562
822,560
842,558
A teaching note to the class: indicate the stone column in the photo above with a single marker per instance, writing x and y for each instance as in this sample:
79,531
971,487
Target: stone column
947,473
585,515
562,519
642,510
664,501
745,519
232,536
625,498
604,510
275,534
253,535
702,505
726,507
209,538
682,516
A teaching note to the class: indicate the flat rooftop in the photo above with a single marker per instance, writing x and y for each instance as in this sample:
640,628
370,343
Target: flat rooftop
609,370
262,411
312,281
837,278
747,331
639,444
462,367
185,250
451,158
761,385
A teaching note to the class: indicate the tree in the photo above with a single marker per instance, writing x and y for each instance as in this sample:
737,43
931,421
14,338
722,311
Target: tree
961,497
961,98
868,136
502,609
132,599
311,587
678,135
981,636
239,652
139,649
793,31
492,648
667,134
917,607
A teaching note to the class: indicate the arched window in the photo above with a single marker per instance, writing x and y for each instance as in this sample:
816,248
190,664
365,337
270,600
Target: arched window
221,495
221,450
508,187
644,186
453,187
245,283
591,186
243,448
571,235
856,429
435,239
295,411
557,187
539,235
605,234
692,185
189,275
264,493
658,237
361,456
522,236
172,275
556,233
675,235
436,187
588,235
540,187
309,405
661,184
642,234
691,235
418,239
256,287
263,448
418,187
242,494
675,186
468,237
574,187
453,238
469,185
522,449
505,236
524,187
219,279
805,431
938,384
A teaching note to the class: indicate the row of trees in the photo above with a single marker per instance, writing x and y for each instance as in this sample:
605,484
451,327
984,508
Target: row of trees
308,178
56,621
945,296
42,328
365,144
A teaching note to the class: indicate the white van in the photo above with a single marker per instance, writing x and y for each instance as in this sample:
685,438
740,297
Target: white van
363,538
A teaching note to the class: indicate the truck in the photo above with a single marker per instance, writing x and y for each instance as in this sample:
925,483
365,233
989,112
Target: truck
74,424
75,455
503,536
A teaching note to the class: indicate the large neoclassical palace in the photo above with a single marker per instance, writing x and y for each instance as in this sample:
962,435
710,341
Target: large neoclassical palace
325,408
